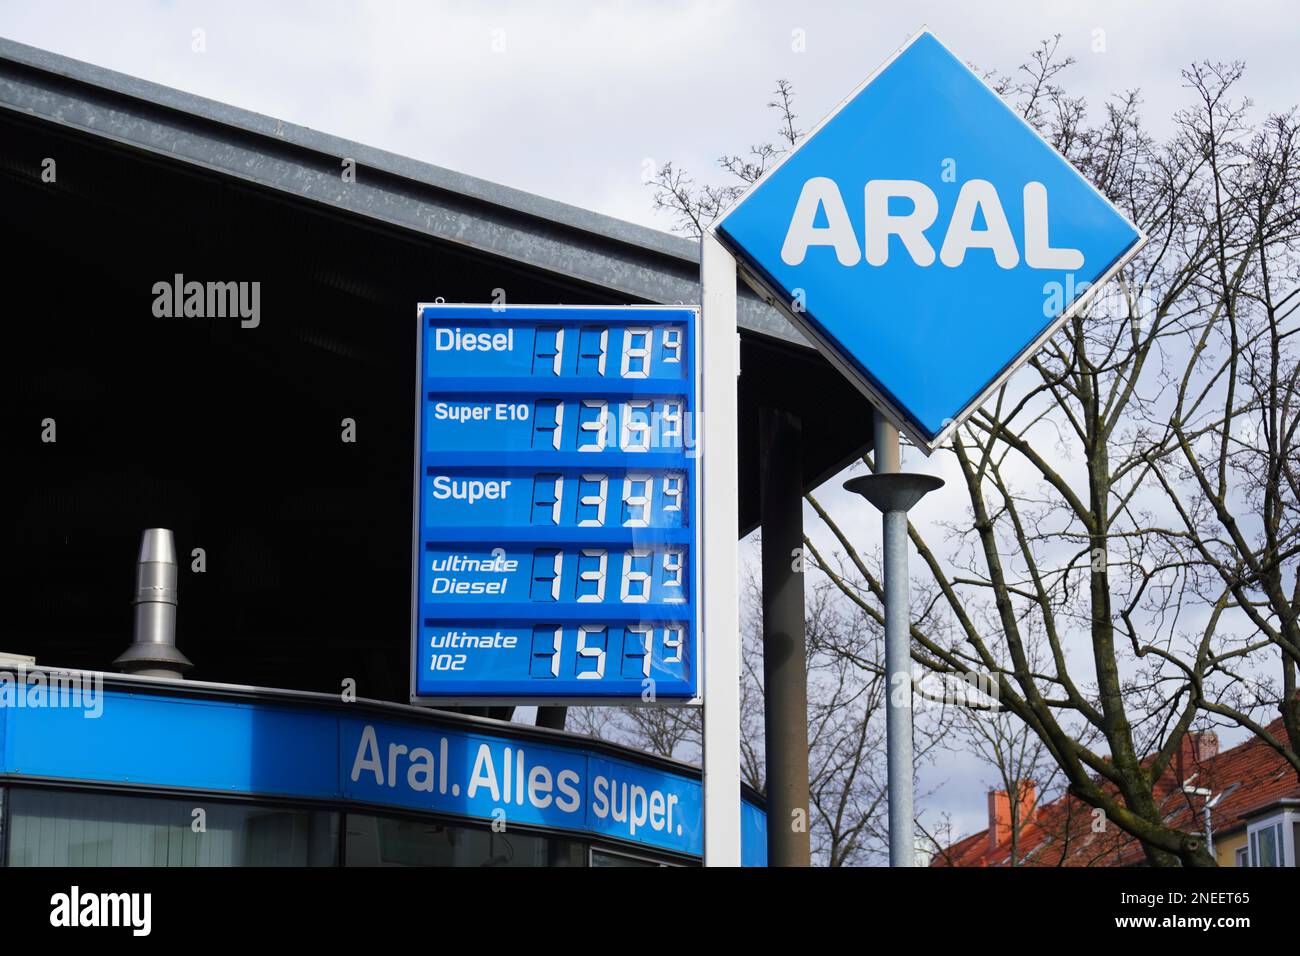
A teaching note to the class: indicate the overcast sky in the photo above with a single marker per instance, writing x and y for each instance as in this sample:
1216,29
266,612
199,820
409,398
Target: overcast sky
569,100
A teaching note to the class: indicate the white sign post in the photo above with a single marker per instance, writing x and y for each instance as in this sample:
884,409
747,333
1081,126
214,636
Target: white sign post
720,633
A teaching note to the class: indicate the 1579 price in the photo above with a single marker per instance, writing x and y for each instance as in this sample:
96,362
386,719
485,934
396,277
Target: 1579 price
638,650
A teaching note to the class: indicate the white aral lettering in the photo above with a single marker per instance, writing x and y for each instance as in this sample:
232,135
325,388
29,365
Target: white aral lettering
1038,253
820,193
978,195
910,227
977,200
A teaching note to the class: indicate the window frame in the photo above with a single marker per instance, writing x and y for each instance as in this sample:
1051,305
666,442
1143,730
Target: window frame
253,807
594,847
1281,826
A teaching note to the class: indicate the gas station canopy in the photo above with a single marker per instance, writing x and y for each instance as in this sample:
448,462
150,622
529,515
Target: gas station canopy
229,434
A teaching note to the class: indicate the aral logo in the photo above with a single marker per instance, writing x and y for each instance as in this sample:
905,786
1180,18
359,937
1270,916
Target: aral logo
977,202
921,235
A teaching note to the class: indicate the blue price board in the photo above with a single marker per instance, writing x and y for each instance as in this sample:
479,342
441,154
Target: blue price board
556,515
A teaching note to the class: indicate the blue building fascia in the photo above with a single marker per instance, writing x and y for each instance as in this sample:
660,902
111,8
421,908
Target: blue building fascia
85,728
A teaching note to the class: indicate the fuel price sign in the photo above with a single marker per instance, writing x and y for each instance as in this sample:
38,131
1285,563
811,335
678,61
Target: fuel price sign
556,517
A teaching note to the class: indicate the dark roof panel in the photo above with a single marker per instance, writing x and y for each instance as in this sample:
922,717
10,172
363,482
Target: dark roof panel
643,263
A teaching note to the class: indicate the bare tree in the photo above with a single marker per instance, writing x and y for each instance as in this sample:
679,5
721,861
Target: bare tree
846,732
1113,482
1023,766
1226,454
694,206
847,689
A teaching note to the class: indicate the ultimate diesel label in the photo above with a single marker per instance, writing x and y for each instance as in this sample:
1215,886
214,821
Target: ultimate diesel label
556,538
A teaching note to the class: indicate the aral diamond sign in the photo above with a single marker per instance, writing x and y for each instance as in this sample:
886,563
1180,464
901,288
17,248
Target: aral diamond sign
927,239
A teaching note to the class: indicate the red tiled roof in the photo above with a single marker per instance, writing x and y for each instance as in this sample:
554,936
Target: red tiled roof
1251,775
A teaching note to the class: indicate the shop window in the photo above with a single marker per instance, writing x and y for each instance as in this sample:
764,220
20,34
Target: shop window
374,840
67,828
611,858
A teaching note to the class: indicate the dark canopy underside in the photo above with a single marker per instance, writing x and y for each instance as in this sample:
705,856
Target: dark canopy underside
231,436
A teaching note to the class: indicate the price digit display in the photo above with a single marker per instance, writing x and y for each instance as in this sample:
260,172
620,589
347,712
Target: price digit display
556,538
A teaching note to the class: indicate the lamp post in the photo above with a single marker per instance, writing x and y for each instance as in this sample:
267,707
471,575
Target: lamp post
895,492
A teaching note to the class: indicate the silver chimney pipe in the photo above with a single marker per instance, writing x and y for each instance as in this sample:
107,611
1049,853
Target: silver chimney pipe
153,651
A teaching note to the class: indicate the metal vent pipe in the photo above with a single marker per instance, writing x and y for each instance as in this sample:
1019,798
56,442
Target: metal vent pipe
153,651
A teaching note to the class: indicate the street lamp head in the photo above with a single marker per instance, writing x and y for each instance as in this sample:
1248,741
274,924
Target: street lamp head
897,491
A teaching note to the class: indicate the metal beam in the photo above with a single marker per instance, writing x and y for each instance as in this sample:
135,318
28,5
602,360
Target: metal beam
785,669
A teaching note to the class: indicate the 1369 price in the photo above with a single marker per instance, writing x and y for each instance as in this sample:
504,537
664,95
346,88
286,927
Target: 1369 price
597,575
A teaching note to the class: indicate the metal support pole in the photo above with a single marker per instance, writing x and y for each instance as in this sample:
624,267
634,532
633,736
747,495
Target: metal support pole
898,658
895,492
886,450
785,671
898,709
720,533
